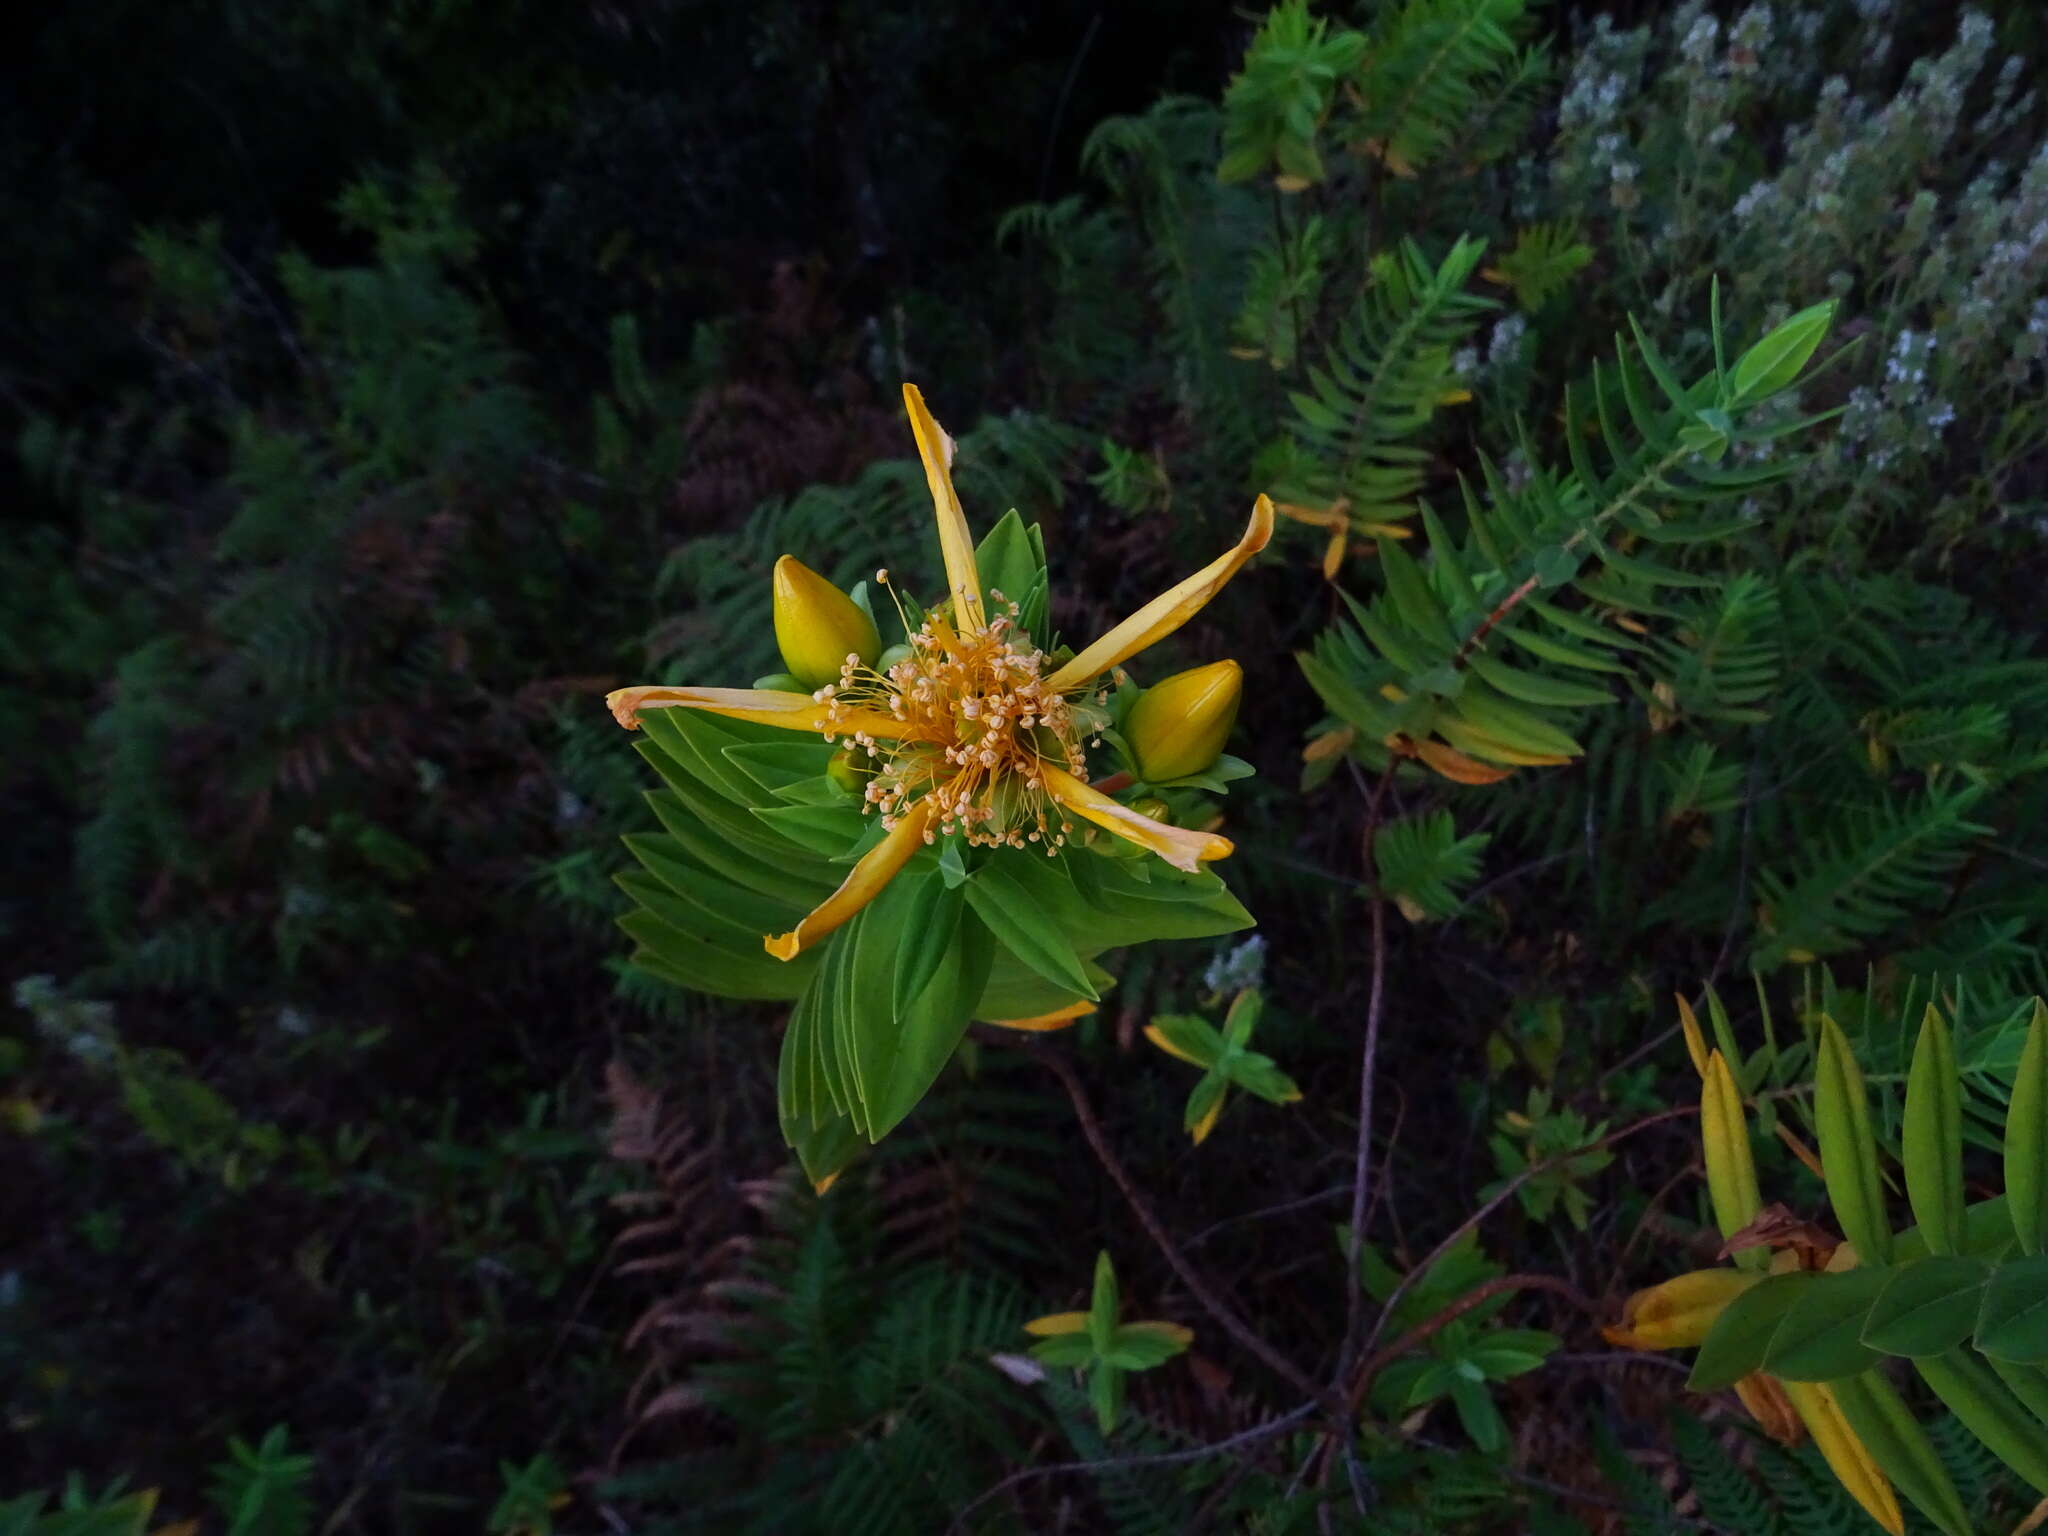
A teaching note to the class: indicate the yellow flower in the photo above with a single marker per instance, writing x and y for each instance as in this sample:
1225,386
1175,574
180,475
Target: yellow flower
1180,724
1678,1313
975,732
817,626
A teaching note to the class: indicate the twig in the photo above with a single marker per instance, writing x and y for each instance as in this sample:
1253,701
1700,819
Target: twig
1368,1067
1251,1436
1191,1277
1502,1196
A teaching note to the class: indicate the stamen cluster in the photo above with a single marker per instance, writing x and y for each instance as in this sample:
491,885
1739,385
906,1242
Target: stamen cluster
978,723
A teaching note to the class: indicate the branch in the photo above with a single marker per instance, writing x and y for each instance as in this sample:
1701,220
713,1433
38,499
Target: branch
1192,1278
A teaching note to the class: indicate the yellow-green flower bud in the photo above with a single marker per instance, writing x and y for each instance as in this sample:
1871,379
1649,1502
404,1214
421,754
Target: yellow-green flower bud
1179,725
817,626
781,682
849,773
895,653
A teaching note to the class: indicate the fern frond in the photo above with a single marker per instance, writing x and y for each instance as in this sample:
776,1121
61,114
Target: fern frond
1429,74
1421,859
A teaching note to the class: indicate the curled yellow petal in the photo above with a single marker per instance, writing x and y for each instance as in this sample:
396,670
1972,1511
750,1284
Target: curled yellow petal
1181,847
1846,1455
763,706
877,867
1158,1037
1168,611
1731,1165
1058,1018
1678,1313
1056,1323
956,544
1207,1123
1767,1404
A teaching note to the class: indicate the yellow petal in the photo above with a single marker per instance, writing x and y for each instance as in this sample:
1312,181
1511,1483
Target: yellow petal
1767,1404
763,706
1678,1313
1158,1037
877,867
1058,1018
1168,611
1207,1123
956,544
1056,1323
1731,1164
1847,1457
1181,847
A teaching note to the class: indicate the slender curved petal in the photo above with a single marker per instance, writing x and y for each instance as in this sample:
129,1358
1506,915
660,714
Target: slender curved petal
763,706
877,867
963,580
1058,1018
1180,847
1168,611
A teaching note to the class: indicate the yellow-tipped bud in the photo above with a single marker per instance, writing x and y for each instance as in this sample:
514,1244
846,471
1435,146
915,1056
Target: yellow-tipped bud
817,626
1678,1313
1180,724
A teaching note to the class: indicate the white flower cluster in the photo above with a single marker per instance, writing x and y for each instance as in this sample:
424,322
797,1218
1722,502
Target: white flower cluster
1242,965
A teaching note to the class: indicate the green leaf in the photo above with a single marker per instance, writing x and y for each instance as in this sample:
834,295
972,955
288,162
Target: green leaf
1141,1346
2013,1323
1848,1147
1106,1393
1927,1308
1775,361
1204,1098
2026,1138
1742,1334
928,932
1103,1303
1064,1349
831,832
1973,1393
1024,927
1242,1018
1821,1337
1009,559
1895,1440
1192,1036
1933,1137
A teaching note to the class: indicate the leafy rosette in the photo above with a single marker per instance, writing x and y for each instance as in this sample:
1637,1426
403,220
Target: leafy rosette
900,841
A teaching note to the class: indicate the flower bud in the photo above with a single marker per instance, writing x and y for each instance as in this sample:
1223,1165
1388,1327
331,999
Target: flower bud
1679,1313
1179,725
817,626
781,682
850,773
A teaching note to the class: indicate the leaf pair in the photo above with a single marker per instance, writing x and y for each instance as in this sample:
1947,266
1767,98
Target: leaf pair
1097,1343
1225,1059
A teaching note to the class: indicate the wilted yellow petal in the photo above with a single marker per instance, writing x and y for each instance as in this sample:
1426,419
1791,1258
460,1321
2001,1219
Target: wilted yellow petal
1767,1404
1695,1042
1678,1313
1181,847
1460,734
1158,1037
877,867
763,706
956,544
1056,1323
1731,1164
1456,766
1330,744
817,626
1847,1457
1058,1018
1168,611
1207,1123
